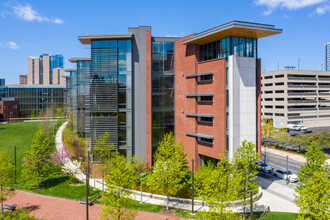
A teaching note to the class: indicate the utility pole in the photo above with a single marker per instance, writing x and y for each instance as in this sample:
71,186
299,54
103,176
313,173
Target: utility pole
167,206
87,186
192,190
287,169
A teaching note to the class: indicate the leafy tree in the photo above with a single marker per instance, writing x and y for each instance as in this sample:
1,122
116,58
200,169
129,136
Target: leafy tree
170,171
103,148
121,175
218,188
267,128
37,162
246,169
7,179
314,186
33,114
59,112
281,135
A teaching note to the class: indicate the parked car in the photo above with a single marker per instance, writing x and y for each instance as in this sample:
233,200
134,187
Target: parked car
294,127
281,173
264,167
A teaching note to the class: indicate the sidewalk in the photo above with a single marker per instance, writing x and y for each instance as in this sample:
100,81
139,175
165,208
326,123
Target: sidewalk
53,208
293,156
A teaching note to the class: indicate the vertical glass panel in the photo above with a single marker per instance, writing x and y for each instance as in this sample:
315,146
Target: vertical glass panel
235,46
255,48
242,48
249,47
128,99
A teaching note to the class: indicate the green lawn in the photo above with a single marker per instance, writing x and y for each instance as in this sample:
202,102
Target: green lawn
19,134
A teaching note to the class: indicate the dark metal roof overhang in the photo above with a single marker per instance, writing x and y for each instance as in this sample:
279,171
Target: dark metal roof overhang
87,39
76,59
234,28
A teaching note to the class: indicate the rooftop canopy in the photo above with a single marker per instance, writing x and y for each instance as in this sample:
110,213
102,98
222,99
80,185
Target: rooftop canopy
234,28
87,39
76,59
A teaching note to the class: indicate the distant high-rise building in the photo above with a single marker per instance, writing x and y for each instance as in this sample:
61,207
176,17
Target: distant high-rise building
327,56
40,69
22,79
2,82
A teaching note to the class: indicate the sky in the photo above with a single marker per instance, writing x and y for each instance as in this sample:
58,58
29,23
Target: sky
31,28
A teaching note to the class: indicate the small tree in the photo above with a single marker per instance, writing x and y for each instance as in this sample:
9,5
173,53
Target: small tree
103,148
170,171
218,188
7,179
37,161
121,176
314,186
246,169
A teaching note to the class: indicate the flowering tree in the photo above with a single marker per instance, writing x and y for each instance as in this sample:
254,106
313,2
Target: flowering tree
37,162
61,157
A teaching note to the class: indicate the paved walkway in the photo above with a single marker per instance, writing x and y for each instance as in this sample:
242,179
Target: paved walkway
53,208
292,156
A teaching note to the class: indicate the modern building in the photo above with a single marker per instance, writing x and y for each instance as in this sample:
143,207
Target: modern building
45,70
327,56
296,97
204,87
2,82
9,109
34,99
22,79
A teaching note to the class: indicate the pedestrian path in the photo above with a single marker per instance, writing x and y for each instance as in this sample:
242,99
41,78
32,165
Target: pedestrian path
53,208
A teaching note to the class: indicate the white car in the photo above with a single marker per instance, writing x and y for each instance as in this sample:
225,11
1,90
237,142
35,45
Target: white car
281,173
264,167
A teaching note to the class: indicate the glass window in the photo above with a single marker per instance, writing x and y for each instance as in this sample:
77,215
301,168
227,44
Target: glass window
235,46
242,47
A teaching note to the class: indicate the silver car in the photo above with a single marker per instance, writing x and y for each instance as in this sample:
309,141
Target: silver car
264,167
281,173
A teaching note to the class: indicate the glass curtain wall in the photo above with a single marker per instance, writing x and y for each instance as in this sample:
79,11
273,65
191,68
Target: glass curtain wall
162,90
111,93
35,100
83,73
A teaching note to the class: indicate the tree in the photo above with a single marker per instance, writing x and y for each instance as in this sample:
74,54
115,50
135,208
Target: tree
59,112
281,135
219,187
314,186
7,179
246,168
121,175
37,162
103,148
267,128
170,171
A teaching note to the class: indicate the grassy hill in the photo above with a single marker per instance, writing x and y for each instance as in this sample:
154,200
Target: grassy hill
19,134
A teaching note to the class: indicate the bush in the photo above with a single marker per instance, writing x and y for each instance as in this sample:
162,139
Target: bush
286,148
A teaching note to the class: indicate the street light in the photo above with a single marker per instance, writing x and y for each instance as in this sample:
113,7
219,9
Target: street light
192,180
142,175
287,168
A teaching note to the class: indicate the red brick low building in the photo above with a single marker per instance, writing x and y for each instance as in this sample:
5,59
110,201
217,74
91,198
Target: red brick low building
9,109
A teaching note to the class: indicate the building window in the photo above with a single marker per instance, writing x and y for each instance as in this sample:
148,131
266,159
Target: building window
205,78
205,98
205,119
205,140
14,106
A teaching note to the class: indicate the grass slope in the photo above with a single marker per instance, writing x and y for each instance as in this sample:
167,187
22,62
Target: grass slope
19,134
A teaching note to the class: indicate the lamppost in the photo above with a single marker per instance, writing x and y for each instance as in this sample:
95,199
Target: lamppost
287,168
192,182
15,163
142,175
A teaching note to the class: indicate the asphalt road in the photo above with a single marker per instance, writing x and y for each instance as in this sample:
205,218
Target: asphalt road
278,162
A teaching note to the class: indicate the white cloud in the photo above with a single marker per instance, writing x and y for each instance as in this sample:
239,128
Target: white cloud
13,45
322,9
288,4
172,35
27,13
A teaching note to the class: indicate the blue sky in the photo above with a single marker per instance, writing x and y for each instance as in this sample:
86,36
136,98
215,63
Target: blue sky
31,28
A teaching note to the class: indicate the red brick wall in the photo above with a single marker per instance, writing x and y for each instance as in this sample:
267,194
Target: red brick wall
186,61
9,108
